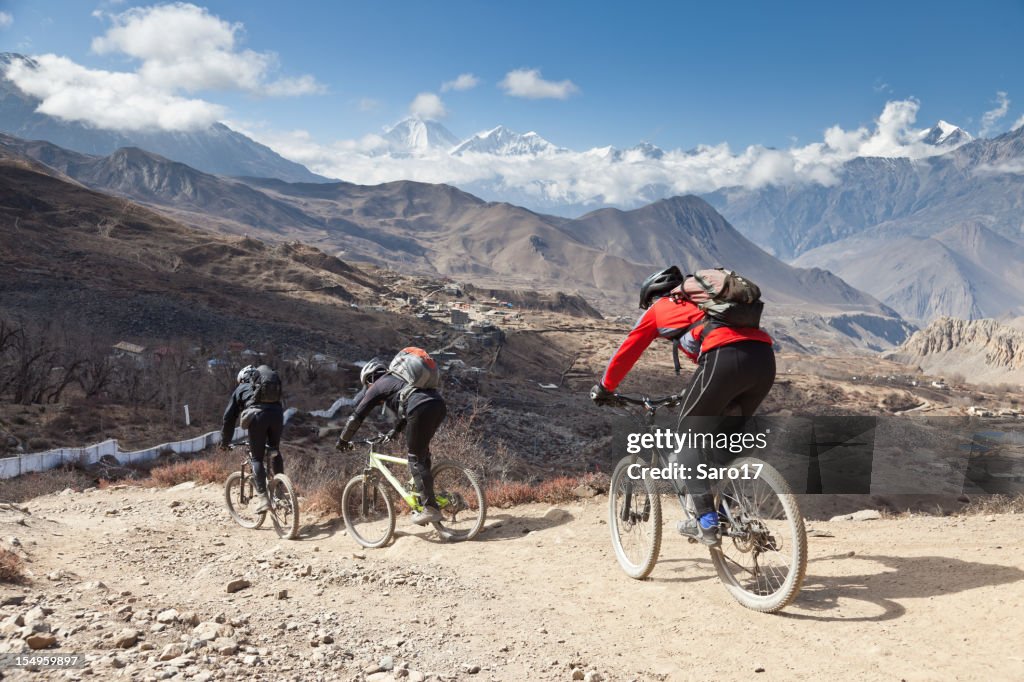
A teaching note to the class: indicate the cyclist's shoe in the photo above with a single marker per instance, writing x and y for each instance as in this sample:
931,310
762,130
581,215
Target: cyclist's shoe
703,530
260,503
426,515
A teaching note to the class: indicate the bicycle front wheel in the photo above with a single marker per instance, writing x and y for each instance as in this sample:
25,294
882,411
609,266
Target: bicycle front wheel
237,495
284,506
763,556
461,500
634,517
368,512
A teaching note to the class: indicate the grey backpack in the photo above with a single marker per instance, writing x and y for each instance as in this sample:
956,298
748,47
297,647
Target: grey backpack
418,370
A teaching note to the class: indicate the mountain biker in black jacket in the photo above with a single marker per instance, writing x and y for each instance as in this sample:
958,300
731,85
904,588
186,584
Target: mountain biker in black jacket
424,413
264,430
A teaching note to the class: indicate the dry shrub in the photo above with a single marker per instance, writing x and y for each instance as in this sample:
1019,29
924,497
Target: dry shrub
557,490
28,486
462,440
12,569
505,494
325,498
995,504
198,470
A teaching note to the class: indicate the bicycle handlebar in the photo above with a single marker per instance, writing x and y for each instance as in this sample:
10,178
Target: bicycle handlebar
648,402
379,438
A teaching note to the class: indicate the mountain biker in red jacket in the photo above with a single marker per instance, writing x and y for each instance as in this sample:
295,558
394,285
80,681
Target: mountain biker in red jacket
735,371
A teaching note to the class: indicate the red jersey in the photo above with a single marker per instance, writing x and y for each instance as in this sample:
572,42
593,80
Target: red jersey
666,319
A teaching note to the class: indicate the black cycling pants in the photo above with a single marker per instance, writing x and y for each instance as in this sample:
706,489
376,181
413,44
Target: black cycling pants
730,381
265,431
420,428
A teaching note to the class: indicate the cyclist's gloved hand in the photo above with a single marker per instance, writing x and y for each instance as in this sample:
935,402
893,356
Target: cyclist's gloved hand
601,395
343,445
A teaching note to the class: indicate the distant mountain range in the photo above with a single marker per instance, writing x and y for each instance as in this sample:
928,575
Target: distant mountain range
440,230
936,236
940,235
217,149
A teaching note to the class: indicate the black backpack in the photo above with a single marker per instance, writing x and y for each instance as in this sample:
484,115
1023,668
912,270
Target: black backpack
266,385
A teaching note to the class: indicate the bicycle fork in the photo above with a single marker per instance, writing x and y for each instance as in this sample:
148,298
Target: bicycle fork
369,496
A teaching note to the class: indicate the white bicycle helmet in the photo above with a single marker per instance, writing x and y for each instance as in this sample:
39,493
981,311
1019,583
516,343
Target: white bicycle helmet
371,371
245,373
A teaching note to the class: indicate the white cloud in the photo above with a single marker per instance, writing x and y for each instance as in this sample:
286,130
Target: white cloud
991,117
6,19
182,49
1013,166
182,46
599,176
464,81
528,83
427,105
107,99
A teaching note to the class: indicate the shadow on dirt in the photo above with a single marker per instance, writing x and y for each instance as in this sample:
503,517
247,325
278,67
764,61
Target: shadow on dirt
324,528
503,527
706,567
906,578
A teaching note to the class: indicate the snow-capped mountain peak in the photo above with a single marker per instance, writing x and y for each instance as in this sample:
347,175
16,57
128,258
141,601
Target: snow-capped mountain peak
418,136
501,141
945,134
646,150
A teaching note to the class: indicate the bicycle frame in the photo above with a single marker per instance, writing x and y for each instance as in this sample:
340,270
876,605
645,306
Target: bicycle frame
646,421
378,462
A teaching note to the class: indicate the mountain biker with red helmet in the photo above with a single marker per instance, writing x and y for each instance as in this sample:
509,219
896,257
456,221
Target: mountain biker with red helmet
735,371
420,418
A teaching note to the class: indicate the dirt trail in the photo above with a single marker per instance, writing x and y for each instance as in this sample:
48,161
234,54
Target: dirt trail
538,594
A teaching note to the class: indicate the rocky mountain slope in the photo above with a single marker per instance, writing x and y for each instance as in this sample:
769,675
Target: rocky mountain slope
967,271
217,149
439,230
928,237
983,351
128,270
979,182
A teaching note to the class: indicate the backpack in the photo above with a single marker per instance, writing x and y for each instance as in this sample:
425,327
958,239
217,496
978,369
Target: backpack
727,298
266,385
418,370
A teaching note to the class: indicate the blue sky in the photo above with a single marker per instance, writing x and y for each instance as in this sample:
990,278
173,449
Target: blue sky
676,74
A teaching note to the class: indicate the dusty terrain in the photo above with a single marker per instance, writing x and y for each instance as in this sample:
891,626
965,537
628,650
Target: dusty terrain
537,595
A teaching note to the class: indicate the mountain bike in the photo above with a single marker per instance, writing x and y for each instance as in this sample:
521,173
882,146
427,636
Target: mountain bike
369,513
240,489
762,557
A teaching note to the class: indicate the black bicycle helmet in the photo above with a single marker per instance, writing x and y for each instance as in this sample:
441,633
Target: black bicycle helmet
659,284
371,371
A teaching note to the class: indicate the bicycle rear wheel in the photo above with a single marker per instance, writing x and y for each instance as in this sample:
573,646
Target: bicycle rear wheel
634,517
461,499
284,506
237,494
763,556
368,512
